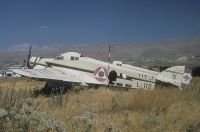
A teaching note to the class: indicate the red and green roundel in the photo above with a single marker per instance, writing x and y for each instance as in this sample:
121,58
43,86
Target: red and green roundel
101,74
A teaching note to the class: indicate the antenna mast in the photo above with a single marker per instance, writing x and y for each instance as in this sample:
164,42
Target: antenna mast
108,63
109,54
109,57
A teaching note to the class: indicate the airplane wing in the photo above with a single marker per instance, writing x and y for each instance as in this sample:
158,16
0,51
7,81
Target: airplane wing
53,73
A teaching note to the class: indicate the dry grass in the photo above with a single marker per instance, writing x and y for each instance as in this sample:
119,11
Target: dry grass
104,109
20,83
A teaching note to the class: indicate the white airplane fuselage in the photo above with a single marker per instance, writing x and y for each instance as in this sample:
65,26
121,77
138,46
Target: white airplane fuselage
99,71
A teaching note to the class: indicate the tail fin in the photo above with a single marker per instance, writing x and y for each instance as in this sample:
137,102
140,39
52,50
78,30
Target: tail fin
177,75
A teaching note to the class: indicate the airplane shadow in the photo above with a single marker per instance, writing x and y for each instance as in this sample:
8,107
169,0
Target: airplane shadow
48,91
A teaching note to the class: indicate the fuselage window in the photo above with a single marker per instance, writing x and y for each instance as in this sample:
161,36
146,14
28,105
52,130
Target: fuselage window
128,85
119,84
60,58
120,75
72,57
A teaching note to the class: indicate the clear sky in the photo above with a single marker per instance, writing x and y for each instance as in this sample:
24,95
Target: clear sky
74,22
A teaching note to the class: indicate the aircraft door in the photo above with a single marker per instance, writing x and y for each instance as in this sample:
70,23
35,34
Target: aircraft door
112,77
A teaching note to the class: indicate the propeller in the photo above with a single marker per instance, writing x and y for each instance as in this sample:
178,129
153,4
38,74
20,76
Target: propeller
29,54
28,59
30,66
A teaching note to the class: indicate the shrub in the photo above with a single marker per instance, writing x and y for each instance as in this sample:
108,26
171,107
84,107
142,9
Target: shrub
23,116
83,122
151,122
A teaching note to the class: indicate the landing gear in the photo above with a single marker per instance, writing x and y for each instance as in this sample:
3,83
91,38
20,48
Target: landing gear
54,88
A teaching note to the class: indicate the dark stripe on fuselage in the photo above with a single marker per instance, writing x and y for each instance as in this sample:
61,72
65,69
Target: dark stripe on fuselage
130,78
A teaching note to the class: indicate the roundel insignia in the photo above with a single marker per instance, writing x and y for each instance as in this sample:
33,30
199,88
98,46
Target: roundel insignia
174,76
101,74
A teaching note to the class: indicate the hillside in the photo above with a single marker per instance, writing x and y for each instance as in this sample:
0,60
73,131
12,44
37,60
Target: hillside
178,51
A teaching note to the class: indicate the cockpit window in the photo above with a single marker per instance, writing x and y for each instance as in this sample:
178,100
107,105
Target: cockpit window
59,58
74,58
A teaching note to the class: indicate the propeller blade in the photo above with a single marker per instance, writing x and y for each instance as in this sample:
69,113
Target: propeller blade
28,60
29,51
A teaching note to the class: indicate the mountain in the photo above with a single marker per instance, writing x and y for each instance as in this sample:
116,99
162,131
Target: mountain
177,51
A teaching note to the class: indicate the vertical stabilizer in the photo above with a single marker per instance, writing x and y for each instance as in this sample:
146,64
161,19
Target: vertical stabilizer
177,75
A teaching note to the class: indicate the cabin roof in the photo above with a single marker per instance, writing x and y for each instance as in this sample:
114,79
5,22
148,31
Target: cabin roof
69,54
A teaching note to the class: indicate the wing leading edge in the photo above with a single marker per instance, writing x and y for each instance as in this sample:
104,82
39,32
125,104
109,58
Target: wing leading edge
66,75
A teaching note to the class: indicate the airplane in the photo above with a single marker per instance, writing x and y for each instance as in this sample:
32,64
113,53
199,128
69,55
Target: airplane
72,68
